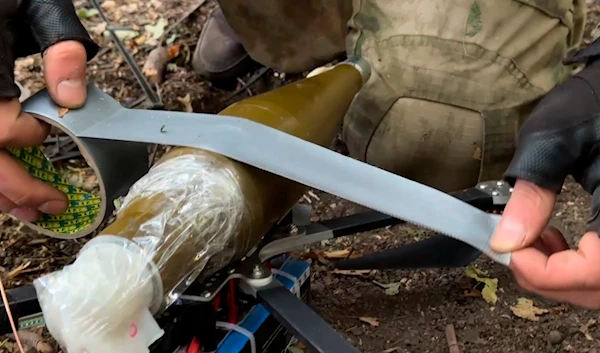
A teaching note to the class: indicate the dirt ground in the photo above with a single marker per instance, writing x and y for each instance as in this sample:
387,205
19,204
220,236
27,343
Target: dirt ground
413,314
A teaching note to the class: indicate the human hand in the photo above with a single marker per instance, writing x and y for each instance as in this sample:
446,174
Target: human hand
28,27
541,260
559,138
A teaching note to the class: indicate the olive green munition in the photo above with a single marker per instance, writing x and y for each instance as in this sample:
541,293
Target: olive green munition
197,211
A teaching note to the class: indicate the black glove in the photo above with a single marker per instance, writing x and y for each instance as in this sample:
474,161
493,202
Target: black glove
562,135
31,26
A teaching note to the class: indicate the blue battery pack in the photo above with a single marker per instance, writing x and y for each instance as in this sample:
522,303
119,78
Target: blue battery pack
269,335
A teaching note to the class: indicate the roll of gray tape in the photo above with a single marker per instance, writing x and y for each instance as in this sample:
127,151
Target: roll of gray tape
112,139
117,165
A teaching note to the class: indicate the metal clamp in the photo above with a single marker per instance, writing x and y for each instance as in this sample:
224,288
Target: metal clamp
250,270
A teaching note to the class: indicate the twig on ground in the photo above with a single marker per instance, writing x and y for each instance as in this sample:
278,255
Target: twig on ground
262,71
451,339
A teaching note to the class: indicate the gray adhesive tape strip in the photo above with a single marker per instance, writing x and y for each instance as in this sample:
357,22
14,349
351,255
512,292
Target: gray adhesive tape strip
103,119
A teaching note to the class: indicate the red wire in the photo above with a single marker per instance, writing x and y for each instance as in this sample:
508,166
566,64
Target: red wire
194,346
10,317
233,309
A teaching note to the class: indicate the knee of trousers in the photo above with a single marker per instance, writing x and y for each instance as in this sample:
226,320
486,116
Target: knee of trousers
436,144
452,81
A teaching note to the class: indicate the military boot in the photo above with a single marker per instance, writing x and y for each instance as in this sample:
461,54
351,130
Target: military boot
219,54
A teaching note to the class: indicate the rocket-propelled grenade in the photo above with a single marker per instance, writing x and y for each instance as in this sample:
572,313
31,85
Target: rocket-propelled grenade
192,214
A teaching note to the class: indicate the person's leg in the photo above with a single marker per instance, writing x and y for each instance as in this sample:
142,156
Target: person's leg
287,36
452,81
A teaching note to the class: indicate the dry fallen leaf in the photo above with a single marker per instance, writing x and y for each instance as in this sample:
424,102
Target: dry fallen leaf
129,8
173,50
158,29
390,288
526,310
370,320
62,112
123,34
24,63
337,254
141,40
187,103
108,5
490,284
99,28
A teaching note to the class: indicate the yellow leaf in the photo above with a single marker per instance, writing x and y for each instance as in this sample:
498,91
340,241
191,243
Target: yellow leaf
337,254
489,290
526,310
475,273
370,320
490,284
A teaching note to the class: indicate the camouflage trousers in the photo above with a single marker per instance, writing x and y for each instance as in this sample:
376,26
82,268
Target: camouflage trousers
452,80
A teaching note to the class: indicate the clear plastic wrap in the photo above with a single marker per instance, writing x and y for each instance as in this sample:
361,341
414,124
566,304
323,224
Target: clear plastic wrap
194,213
188,215
114,284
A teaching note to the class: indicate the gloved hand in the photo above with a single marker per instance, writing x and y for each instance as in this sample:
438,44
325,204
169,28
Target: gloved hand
560,138
28,27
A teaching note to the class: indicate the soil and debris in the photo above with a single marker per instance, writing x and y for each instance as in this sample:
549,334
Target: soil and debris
474,309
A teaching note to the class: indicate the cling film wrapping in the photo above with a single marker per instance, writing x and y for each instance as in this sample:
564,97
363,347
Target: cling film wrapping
188,217
192,214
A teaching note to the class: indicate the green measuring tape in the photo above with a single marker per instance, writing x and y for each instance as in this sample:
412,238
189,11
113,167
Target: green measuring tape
84,207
